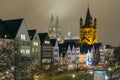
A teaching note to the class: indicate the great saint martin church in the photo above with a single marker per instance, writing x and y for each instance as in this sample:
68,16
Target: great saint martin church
88,31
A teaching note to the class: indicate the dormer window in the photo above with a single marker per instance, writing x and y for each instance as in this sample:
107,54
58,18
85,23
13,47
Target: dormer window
5,36
47,42
22,36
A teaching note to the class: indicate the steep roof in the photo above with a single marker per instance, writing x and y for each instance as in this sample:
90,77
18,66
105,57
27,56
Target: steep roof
88,18
42,37
63,47
31,33
11,27
53,41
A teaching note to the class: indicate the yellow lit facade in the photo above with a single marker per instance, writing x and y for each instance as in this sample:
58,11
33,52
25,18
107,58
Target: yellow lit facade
88,31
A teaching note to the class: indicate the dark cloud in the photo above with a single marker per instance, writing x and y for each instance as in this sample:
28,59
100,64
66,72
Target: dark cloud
37,15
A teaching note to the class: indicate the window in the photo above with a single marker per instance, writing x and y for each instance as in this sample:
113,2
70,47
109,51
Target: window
27,43
46,61
22,51
56,50
36,50
35,43
1,43
55,55
33,50
27,51
47,42
22,36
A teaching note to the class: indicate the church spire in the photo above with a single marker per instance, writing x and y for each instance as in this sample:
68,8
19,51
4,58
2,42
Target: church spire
51,20
57,22
88,18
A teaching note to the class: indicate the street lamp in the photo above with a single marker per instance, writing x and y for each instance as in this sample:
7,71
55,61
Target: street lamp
110,71
73,75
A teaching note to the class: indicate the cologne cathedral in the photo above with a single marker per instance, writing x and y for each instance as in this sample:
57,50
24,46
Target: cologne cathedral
54,30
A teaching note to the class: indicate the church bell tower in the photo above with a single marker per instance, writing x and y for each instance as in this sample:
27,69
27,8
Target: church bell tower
88,31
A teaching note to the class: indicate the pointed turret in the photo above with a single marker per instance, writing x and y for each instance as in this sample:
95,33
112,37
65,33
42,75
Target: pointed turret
51,20
51,25
57,26
81,22
88,20
57,21
95,23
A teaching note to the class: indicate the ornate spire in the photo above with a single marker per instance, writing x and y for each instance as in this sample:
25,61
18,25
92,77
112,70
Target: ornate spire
51,20
57,21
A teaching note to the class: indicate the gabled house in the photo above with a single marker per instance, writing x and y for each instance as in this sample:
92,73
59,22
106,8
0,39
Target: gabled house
55,51
61,62
46,50
16,30
35,47
67,58
72,57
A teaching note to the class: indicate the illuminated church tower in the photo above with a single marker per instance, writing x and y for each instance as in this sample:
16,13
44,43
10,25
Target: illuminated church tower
88,31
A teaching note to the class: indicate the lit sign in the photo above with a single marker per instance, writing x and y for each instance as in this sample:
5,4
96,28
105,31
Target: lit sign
99,72
99,75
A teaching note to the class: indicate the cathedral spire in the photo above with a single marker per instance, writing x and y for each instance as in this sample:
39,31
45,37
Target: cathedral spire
57,22
51,20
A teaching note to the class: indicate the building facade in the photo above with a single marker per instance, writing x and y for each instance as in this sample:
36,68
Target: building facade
35,47
46,51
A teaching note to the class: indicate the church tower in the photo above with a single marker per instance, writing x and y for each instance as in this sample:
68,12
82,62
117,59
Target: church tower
88,31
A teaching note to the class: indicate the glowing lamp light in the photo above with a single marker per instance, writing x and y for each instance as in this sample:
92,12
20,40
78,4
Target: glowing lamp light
73,75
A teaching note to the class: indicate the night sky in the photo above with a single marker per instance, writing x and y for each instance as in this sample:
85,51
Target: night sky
37,15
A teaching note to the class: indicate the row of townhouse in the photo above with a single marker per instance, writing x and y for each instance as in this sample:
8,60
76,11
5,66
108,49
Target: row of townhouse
39,47
29,44
14,33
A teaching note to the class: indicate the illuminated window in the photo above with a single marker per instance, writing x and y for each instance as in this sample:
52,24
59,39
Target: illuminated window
36,49
54,29
33,50
22,36
27,51
47,42
46,61
35,43
22,51
47,67
1,43
5,36
50,28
